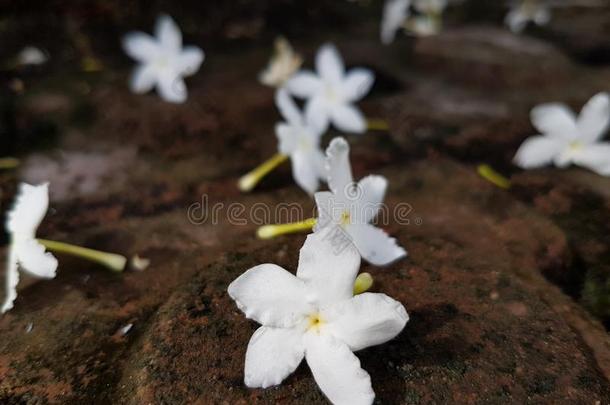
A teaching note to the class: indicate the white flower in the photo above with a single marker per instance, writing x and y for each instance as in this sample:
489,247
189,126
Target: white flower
30,55
331,93
395,13
525,11
352,206
430,7
284,63
163,60
569,140
315,316
24,251
301,141
423,25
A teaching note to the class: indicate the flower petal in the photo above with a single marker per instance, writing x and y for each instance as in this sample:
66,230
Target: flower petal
12,280
555,120
542,15
348,118
29,209
594,118
288,108
337,371
317,115
272,355
338,168
366,320
304,84
516,20
33,258
172,88
538,151
357,84
330,65
395,12
143,79
287,137
328,264
168,34
595,157
189,60
328,212
140,46
371,190
270,295
374,245
306,170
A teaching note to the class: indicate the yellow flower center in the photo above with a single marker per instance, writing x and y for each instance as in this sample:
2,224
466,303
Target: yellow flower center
315,322
575,146
346,218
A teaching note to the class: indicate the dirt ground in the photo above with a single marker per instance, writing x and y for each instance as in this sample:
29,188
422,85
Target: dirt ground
508,291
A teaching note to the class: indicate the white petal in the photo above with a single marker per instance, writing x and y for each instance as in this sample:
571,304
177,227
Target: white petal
357,84
140,46
555,120
516,20
287,137
28,211
272,355
168,34
330,65
375,246
270,295
328,263
538,151
594,118
143,79
366,320
306,170
11,282
288,108
371,191
171,88
338,168
595,157
543,15
395,12
337,371
348,118
329,212
32,257
317,114
304,84
189,60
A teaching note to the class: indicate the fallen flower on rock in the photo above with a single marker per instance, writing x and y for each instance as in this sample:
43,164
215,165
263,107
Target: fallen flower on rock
28,253
395,14
352,206
299,140
522,12
315,315
163,60
331,92
569,140
284,63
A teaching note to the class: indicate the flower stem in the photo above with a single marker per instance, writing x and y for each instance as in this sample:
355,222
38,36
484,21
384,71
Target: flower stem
489,174
9,163
363,283
250,180
272,231
377,124
112,261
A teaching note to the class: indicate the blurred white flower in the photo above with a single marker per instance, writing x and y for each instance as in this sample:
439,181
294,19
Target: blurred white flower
314,315
163,60
430,7
24,251
301,141
331,93
569,140
352,206
30,55
423,25
395,13
525,11
284,63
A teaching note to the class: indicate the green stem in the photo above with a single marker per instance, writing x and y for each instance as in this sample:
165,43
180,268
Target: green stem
363,283
489,174
376,124
9,163
272,231
250,180
112,261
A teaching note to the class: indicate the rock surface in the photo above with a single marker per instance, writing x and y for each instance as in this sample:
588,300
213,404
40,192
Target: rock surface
507,290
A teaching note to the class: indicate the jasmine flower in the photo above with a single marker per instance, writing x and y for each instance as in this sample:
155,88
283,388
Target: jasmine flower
284,63
525,11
